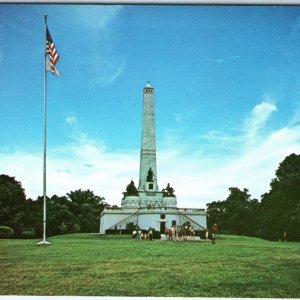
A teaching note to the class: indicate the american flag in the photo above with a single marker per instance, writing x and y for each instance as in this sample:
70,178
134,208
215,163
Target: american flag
52,53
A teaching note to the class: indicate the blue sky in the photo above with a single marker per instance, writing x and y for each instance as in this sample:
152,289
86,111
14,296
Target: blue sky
227,96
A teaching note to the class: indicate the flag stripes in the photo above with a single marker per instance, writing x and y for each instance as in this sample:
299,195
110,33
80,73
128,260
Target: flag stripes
51,52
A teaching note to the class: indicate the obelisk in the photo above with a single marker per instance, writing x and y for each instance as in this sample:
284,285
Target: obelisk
148,171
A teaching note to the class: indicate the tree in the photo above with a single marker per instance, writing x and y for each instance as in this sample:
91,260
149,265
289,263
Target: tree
86,208
237,211
215,213
130,227
58,213
76,228
12,203
34,216
79,211
63,228
280,207
235,215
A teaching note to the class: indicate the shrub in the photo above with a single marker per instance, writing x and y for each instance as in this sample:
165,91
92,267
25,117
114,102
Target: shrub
6,232
28,234
156,235
200,233
63,228
110,231
76,228
130,227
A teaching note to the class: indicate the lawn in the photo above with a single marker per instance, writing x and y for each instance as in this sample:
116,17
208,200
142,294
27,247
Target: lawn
112,265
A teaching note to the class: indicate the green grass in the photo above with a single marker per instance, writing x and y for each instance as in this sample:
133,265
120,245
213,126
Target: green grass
86,265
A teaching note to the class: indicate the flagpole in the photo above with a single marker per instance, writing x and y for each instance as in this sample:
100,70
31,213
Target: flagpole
44,242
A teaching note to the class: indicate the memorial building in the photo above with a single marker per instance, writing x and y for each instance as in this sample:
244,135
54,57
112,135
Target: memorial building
146,205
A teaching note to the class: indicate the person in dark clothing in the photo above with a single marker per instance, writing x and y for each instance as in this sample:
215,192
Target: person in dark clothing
214,231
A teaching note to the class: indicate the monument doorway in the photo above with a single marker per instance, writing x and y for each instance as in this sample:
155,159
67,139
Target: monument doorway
162,227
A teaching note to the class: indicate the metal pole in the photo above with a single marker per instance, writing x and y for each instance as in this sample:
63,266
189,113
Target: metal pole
44,242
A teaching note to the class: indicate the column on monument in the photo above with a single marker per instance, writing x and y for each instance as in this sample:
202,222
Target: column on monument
148,170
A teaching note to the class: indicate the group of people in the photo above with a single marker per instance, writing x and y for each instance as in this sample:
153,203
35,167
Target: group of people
178,233
181,233
175,233
142,235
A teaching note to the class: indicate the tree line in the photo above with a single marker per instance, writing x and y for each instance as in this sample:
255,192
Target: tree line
278,210
79,211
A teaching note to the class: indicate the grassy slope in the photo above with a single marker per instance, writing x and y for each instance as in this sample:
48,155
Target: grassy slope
83,264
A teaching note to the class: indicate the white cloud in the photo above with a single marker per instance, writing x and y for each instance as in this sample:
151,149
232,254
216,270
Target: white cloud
219,140
103,66
102,70
71,120
79,165
114,72
96,17
296,117
251,160
178,118
221,60
197,178
257,120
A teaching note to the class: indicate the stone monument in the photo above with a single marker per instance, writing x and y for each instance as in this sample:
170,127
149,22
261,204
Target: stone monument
147,206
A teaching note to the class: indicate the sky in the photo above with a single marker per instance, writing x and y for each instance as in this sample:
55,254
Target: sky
227,97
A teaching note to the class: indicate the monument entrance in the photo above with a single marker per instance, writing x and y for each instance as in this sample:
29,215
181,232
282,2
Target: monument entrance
162,227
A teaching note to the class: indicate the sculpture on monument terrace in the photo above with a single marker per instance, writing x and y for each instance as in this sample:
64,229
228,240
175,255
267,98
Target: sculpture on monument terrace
168,191
131,190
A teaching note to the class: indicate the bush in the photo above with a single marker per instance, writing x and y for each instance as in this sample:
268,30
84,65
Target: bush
117,231
6,232
130,227
76,228
63,228
28,234
156,235
110,231
201,234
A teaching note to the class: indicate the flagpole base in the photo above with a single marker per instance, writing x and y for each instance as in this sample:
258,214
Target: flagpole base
44,243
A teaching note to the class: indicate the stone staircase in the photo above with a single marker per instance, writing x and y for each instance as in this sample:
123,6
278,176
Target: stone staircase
195,225
128,219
